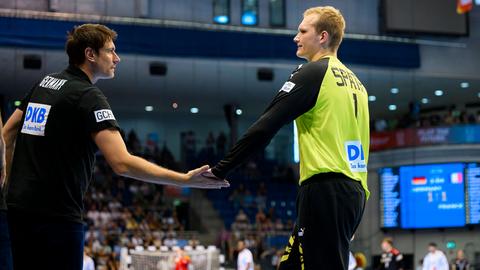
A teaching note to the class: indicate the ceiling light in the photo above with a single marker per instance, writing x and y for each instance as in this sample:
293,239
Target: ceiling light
174,105
394,90
239,112
392,107
194,110
424,100
372,98
464,84
438,93
148,108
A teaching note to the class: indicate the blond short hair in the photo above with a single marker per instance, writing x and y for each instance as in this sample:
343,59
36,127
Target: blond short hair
331,20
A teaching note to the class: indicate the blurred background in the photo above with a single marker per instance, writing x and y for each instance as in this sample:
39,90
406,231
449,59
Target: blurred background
195,74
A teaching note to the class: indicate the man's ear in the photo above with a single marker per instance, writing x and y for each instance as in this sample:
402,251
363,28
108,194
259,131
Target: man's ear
90,54
324,38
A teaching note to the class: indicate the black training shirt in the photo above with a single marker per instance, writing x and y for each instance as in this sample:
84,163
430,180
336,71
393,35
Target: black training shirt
54,152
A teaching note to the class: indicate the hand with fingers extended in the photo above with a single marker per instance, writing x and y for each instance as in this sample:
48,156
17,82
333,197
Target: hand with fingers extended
203,178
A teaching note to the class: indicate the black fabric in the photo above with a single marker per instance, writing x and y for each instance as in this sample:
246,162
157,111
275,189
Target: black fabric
40,243
5,244
287,105
392,260
3,204
51,171
330,207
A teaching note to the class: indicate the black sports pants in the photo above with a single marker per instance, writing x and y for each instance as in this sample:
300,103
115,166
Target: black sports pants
43,243
329,209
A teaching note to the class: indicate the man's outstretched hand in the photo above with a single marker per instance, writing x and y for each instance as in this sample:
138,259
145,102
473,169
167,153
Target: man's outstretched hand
204,178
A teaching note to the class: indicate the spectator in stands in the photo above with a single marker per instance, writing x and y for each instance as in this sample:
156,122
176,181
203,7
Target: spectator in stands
435,259
112,263
391,258
241,221
460,262
170,241
193,242
245,257
260,219
88,263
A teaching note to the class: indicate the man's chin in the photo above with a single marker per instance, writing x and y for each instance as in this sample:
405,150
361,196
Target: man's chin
107,76
299,55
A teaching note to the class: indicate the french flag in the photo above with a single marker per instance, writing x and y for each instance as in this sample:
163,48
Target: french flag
419,180
456,178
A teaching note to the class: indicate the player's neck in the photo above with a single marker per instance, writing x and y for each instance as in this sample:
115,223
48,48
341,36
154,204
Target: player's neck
87,69
323,53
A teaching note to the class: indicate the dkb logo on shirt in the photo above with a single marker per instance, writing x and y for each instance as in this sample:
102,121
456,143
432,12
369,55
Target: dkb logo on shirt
355,156
36,117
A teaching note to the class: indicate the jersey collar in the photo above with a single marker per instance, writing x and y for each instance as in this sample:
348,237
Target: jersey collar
78,72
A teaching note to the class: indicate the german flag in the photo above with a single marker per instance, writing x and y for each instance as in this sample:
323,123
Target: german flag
419,180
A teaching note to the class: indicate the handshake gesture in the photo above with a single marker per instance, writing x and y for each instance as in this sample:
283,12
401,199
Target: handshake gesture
204,178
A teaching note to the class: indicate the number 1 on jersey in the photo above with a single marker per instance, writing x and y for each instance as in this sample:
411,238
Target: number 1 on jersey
355,104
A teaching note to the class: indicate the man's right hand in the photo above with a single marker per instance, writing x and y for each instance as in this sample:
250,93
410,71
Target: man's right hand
203,178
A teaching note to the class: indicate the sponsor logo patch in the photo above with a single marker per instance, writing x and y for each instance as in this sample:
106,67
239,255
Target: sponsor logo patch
355,156
287,87
103,115
36,117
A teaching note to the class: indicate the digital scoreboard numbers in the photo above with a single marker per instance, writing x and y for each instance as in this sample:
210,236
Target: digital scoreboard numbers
430,196
433,196
390,198
472,195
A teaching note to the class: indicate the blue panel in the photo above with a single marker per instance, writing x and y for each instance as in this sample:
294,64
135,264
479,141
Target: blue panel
162,41
432,195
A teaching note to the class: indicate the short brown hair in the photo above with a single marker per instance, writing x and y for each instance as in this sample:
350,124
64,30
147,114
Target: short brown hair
388,240
331,20
86,35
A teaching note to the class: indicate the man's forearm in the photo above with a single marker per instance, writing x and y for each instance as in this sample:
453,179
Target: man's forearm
139,168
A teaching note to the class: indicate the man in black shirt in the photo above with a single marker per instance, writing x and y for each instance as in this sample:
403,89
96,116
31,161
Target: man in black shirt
61,123
392,258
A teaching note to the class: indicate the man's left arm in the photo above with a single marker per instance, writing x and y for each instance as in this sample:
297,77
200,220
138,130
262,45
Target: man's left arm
297,96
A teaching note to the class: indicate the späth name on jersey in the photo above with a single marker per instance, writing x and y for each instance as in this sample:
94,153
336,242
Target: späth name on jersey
52,83
347,78
36,117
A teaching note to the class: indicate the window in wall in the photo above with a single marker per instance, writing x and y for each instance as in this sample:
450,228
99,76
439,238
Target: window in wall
277,13
221,11
249,12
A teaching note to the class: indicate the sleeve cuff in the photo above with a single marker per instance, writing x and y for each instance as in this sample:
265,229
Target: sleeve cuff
218,173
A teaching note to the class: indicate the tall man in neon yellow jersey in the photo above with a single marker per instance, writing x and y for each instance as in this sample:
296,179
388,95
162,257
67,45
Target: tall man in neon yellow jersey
330,107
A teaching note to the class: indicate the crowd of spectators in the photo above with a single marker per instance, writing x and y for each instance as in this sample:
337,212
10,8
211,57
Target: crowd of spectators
416,118
123,213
